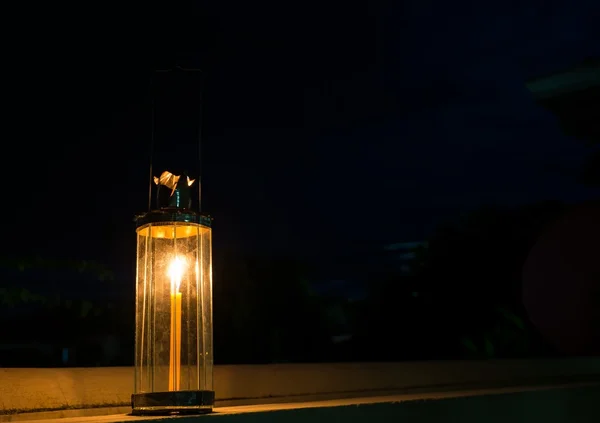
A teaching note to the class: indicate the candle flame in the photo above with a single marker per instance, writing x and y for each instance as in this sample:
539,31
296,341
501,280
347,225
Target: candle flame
175,272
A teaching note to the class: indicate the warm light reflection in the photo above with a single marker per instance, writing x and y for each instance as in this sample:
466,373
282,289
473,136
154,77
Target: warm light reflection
178,231
175,272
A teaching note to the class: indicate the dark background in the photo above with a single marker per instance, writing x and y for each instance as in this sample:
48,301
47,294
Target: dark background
327,127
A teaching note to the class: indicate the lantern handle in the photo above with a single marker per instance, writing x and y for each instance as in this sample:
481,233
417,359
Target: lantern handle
153,126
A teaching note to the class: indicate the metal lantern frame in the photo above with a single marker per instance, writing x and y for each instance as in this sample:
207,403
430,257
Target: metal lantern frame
174,328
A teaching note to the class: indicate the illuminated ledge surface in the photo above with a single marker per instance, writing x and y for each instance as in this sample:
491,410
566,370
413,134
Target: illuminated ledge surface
576,403
33,394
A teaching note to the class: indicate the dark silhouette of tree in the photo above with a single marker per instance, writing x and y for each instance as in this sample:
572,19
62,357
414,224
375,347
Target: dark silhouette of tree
264,312
462,297
471,278
34,294
591,170
393,323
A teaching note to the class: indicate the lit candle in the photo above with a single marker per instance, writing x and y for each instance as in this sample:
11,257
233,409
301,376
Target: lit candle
175,273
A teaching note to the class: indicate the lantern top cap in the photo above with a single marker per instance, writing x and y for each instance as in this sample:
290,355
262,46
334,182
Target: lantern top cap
173,215
173,190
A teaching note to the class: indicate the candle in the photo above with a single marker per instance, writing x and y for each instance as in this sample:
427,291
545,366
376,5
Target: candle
175,273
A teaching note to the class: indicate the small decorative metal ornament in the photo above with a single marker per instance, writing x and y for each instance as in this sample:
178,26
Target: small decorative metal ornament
174,331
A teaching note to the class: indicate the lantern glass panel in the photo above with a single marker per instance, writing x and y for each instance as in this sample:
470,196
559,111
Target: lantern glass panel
173,342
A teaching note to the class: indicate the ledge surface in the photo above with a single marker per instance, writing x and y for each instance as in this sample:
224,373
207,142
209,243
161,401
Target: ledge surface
102,391
574,403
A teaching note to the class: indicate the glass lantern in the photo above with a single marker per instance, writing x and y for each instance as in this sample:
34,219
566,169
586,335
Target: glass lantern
173,340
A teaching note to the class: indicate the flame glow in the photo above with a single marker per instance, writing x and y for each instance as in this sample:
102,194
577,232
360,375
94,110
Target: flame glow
175,272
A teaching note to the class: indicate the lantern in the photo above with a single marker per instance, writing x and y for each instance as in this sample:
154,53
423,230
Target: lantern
173,340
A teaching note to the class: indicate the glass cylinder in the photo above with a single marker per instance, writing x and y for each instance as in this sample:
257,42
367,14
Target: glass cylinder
174,339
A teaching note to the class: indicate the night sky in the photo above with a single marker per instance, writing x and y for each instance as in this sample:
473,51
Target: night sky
324,126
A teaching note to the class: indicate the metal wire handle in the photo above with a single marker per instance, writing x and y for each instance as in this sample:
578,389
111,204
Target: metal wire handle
153,125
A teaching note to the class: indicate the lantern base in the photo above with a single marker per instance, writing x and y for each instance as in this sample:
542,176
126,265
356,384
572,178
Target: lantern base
173,402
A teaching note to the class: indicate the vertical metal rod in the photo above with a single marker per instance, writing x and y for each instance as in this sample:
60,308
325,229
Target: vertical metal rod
200,147
152,106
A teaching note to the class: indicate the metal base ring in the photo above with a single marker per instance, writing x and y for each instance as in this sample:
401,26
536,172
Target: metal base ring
175,402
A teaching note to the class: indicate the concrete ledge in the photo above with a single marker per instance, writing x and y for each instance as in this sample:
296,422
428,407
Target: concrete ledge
573,404
108,389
